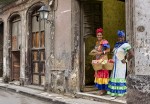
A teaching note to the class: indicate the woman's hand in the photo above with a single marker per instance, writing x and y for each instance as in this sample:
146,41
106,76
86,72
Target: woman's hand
130,54
93,52
99,53
123,61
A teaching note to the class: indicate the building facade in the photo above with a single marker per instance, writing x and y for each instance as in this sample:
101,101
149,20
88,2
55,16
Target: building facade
55,55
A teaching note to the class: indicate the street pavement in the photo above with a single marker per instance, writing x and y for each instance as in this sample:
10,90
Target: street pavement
9,97
12,94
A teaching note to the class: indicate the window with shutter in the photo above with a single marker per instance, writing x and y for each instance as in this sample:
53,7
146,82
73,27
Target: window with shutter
38,50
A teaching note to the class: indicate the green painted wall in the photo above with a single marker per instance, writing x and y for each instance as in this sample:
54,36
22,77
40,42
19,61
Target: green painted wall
113,19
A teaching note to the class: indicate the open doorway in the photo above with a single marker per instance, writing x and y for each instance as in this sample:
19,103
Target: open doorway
91,17
108,14
1,48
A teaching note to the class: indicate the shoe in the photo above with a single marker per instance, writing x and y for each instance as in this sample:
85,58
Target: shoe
113,97
102,92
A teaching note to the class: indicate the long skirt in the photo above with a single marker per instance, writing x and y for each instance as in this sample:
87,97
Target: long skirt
117,81
101,79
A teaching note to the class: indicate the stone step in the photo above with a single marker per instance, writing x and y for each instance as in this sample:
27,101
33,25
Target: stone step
17,83
105,98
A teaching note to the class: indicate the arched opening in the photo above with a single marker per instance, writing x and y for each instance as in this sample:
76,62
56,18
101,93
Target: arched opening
36,46
15,45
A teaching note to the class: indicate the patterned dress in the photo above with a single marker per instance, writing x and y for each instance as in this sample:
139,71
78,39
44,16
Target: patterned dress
102,76
117,82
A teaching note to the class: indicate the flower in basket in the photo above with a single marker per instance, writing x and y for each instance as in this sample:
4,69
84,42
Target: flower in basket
111,61
94,61
100,60
104,62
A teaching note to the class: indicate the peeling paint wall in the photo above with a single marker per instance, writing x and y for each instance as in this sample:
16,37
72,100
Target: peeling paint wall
63,35
142,37
20,7
62,46
138,83
62,49
65,71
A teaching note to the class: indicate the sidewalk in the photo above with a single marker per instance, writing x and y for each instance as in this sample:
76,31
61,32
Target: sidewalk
56,98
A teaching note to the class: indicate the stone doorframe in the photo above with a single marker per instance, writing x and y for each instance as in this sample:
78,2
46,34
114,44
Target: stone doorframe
76,36
129,4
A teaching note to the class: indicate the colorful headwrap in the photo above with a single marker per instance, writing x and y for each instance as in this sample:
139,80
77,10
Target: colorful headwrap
99,30
121,33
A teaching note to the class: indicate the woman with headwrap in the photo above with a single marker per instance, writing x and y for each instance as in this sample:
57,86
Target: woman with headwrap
122,54
102,48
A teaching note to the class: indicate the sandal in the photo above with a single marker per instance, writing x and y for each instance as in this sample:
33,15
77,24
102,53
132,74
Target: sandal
102,93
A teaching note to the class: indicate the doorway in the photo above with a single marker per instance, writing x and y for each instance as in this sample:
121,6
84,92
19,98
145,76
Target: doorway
37,50
15,39
1,48
108,14
91,19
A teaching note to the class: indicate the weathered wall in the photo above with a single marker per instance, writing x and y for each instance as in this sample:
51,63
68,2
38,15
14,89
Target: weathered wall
62,45
65,73
60,48
142,38
138,84
19,7
138,89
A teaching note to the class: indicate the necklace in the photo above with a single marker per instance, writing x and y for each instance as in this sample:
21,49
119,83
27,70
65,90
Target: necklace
118,44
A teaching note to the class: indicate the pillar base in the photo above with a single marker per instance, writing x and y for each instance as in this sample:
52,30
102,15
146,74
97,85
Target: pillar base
6,79
138,89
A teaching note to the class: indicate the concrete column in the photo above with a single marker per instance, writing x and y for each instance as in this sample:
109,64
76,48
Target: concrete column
48,53
23,47
130,31
6,68
138,83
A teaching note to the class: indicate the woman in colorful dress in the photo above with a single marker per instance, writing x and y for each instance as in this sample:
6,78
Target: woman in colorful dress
122,54
101,76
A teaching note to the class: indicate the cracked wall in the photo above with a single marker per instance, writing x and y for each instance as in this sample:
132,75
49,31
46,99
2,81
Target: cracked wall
142,37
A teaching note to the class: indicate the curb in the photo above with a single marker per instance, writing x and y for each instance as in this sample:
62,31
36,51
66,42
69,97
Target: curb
54,101
99,98
57,98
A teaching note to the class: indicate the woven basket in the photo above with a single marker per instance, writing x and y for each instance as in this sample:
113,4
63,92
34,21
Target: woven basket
97,65
108,66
